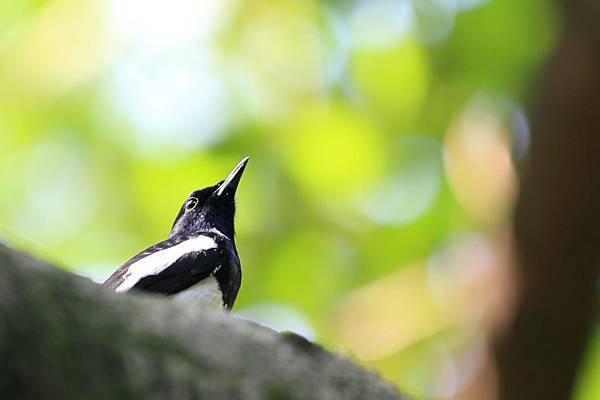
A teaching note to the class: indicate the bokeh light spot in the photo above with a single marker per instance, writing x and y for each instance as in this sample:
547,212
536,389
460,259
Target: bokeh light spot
379,23
333,152
173,102
478,162
393,81
56,198
279,60
411,186
386,315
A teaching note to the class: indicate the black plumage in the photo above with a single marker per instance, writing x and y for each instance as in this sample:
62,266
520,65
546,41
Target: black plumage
200,245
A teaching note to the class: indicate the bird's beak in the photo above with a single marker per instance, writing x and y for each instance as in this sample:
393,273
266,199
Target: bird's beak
231,183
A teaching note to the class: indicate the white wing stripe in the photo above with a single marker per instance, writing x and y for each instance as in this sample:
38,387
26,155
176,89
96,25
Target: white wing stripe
156,262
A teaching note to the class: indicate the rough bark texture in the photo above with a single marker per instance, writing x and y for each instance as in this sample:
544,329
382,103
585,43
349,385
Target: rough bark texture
558,220
63,337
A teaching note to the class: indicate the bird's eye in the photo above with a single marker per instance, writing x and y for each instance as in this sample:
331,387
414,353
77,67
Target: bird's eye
191,203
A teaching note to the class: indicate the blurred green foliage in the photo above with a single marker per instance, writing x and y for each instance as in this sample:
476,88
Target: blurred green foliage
382,134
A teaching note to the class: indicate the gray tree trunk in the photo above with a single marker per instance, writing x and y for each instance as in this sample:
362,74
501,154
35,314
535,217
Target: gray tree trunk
63,337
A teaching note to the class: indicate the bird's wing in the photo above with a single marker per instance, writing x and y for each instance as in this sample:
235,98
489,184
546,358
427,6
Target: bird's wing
182,274
167,267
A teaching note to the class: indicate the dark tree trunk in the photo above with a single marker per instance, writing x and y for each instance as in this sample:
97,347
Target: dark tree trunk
557,222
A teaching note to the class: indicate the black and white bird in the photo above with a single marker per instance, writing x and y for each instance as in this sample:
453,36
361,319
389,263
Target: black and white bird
198,262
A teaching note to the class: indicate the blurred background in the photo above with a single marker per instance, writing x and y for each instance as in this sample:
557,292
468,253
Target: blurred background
384,136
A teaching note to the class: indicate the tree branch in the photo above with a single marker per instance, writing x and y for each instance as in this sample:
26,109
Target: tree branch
64,337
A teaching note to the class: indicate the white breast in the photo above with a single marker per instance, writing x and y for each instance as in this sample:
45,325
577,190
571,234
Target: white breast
204,294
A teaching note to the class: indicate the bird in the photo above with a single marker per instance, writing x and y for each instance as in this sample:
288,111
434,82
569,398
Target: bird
198,263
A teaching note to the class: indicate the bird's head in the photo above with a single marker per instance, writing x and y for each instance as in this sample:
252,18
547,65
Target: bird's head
210,208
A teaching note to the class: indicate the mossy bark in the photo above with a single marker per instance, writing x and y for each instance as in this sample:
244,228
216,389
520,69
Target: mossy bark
63,337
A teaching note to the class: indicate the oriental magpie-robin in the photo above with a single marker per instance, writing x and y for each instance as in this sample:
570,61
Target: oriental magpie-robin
198,262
